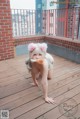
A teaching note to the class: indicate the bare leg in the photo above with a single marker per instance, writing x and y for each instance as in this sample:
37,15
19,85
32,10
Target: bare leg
34,78
45,92
44,83
49,74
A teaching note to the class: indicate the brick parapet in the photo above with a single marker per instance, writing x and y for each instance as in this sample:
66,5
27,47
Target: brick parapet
25,40
6,40
63,42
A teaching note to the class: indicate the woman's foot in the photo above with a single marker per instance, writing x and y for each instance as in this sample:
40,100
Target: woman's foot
49,100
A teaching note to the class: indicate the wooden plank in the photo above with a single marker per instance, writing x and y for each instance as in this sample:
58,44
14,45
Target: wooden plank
6,80
19,96
12,79
24,108
59,115
58,76
52,84
15,97
3,66
65,70
15,87
38,93
8,90
7,73
63,77
41,109
75,116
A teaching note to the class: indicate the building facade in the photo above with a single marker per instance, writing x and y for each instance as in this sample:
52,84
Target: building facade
72,16
38,16
58,17
43,8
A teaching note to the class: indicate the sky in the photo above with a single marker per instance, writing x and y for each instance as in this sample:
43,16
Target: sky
22,4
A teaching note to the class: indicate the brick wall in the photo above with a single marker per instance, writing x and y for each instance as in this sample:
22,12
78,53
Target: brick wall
58,41
64,42
25,40
6,40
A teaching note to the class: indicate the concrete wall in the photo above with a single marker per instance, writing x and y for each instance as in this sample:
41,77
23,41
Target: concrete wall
64,52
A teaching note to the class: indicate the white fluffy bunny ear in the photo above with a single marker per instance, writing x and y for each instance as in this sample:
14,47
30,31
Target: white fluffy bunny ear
31,47
43,47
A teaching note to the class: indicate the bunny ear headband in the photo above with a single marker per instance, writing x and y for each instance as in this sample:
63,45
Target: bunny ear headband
42,46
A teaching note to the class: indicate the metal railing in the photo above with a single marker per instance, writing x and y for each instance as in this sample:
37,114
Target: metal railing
23,22
57,22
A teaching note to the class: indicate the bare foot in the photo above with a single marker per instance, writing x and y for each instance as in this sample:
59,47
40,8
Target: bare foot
33,84
49,100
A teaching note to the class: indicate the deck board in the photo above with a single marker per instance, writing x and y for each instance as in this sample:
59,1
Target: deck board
25,101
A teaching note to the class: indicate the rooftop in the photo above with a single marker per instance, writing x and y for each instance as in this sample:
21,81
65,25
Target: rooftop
60,29
25,101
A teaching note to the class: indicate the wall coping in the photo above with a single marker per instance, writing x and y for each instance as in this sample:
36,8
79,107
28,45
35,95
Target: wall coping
58,41
29,36
47,36
63,38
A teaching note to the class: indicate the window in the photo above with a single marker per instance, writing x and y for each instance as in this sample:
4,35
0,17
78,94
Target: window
51,14
39,6
51,24
38,15
51,3
43,4
38,24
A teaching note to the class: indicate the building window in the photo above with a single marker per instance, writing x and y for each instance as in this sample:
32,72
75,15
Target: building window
44,18
51,24
38,24
43,27
39,6
51,3
51,14
43,5
38,15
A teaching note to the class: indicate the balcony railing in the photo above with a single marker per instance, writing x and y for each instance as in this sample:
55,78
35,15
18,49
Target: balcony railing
23,22
57,22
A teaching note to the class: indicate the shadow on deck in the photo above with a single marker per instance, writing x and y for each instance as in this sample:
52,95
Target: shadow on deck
25,102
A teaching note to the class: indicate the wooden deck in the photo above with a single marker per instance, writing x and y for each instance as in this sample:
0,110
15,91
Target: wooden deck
25,101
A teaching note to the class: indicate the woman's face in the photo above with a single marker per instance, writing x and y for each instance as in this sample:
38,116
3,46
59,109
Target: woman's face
37,56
